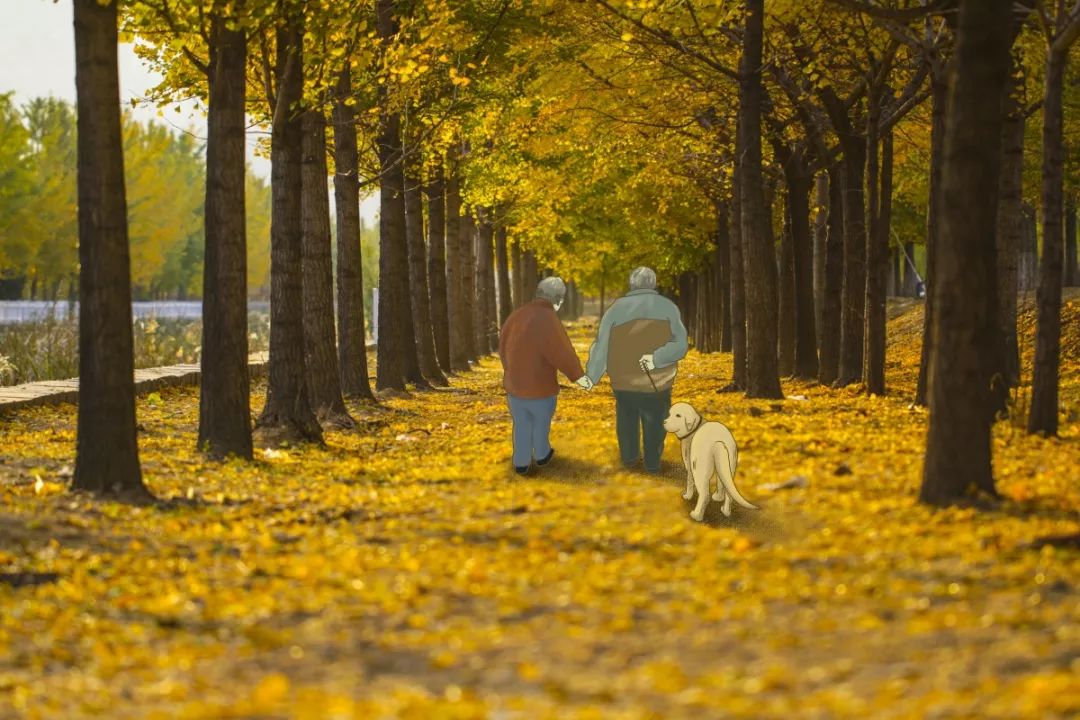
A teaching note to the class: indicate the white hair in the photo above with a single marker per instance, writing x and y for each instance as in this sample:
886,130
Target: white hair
552,289
642,278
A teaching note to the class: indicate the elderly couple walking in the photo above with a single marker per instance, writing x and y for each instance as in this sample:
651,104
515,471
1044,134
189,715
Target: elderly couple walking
640,341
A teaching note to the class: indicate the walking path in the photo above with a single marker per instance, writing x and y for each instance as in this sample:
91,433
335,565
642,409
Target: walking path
51,392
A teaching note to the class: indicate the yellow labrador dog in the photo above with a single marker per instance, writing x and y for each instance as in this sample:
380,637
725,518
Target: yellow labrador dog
708,448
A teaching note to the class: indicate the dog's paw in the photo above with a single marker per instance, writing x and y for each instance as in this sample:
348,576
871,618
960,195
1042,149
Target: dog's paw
688,495
718,496
697,516
726,509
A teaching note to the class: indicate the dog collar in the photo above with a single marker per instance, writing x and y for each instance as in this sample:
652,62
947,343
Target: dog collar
689,432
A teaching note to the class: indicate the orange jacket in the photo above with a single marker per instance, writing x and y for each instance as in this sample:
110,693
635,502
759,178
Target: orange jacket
533,345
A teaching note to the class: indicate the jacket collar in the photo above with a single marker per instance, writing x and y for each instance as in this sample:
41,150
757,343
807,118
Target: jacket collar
544,302
642,291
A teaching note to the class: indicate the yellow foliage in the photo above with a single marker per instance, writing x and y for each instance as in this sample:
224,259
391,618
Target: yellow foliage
404,571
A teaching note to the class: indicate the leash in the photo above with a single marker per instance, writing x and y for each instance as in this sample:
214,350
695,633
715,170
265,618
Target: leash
651,381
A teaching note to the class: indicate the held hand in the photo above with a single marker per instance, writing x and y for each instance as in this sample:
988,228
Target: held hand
647,363
584,382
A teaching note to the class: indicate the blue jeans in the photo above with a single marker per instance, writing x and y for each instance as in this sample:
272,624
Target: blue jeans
647,411
532,423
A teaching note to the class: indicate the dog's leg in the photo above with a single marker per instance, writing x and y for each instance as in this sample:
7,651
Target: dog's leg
719,495
726,507
702,474
689,494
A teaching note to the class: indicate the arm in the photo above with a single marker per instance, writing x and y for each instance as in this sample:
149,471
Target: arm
597,364
559,351
675,349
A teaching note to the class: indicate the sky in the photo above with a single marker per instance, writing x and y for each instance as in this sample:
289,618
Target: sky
37,58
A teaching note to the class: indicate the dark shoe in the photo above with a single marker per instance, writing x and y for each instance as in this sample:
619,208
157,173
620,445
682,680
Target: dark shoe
521,470
632,464
545,461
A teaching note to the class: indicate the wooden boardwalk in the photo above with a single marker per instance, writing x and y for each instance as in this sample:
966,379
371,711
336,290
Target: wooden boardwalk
50,392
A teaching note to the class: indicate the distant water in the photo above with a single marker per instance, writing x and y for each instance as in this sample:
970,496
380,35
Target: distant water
21,311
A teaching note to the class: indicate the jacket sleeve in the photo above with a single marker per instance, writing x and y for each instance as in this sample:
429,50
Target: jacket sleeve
559,351
675,349
597,363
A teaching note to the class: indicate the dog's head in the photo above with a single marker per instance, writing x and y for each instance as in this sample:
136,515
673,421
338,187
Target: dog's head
682,419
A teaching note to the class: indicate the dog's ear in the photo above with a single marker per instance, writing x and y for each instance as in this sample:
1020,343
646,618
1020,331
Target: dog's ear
687,421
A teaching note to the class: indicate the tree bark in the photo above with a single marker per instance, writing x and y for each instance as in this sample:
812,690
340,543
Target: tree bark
786,327
287,414
503,272
738,291
487,331
852,316
517,273
762,378
224,387
455,275
1044,385
821,213
107,452
877,266
320,342
1072,272
440,303
723,264
471,293
939,90
799,180
1010,228
832,299
965,330
419,291
352,338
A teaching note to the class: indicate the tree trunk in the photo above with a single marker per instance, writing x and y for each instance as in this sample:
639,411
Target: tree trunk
503,271
287,414
517,274
420,306
320,342
907,259
854,294
440,303
821,214
224,387
762,378
723,264
107,453
939,90
472,300
738,292
1044,385
786,339
965,330
832,297
352,339
487,330
877,265
455,275
799,180
1010,228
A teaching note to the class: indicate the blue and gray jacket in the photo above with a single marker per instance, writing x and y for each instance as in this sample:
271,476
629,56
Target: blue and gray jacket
639,323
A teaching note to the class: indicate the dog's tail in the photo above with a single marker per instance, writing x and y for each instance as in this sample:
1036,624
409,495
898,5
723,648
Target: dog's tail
724,471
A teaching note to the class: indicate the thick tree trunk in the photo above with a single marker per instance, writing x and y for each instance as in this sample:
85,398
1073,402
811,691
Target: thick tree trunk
419,293
517,273
723,264
877,270
320,342
832,299
224,387
821,214
1044,386
738,292
939,96
1010,228
440,302
287,414
799,180
487,331
503,271
762,378
455,275
786,327
107,453
852,317
472,300
352,339
965,331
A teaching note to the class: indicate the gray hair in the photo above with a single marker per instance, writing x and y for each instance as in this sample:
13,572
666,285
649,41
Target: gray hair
552,289
642,278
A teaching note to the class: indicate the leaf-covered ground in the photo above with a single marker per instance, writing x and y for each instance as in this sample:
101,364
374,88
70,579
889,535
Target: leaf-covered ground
405,571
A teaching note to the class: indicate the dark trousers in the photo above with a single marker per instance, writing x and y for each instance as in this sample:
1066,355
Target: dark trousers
647,410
